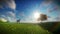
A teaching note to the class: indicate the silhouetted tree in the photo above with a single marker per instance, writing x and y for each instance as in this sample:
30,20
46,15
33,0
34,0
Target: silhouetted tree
42,17
18,20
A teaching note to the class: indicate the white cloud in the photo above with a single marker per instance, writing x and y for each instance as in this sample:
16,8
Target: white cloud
11,16
4,16
10,13
8,3
11,19
11,4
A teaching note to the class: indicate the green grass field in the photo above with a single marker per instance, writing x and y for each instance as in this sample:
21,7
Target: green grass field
29,28
22,28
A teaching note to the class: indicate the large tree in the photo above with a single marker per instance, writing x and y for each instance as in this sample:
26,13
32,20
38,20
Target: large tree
42,17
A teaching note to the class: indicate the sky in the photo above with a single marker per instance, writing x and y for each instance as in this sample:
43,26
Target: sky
25,10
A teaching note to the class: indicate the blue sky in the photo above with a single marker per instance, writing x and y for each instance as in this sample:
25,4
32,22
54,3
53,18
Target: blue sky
25,9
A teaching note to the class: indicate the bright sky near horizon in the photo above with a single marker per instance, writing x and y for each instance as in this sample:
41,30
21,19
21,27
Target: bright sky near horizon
29,10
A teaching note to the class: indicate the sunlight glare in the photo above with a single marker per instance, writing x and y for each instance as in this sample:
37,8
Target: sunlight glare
37,14
4,20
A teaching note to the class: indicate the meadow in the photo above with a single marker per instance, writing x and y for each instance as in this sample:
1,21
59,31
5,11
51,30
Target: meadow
26,28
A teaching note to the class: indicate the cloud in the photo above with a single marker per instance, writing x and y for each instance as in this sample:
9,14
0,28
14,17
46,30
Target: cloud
8,3
22,14
10,13
3,16
3,20
11,4
56,7
1,6
54,19
46,3
57,18
9,19
49,3
11,16
48,10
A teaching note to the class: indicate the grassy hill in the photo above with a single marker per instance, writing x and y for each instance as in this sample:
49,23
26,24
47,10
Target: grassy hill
22,28
29,28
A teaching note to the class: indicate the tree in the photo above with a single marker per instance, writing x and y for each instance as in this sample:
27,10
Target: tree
42,17
18,20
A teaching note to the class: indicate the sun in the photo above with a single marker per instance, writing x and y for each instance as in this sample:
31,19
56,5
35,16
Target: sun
36,15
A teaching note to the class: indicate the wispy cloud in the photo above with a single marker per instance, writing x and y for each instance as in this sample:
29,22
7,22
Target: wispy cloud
22,14
48,10
57,18
54,18
1,6
10,13
3,16
56,7
11,4
11,16
50,5
8,3
46,3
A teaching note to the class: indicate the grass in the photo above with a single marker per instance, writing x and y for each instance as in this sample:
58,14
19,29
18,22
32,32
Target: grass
22,28
53,27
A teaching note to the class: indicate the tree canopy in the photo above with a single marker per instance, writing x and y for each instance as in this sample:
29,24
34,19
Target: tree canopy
42,17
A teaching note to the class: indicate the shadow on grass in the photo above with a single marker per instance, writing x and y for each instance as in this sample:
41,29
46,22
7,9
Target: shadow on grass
53,27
